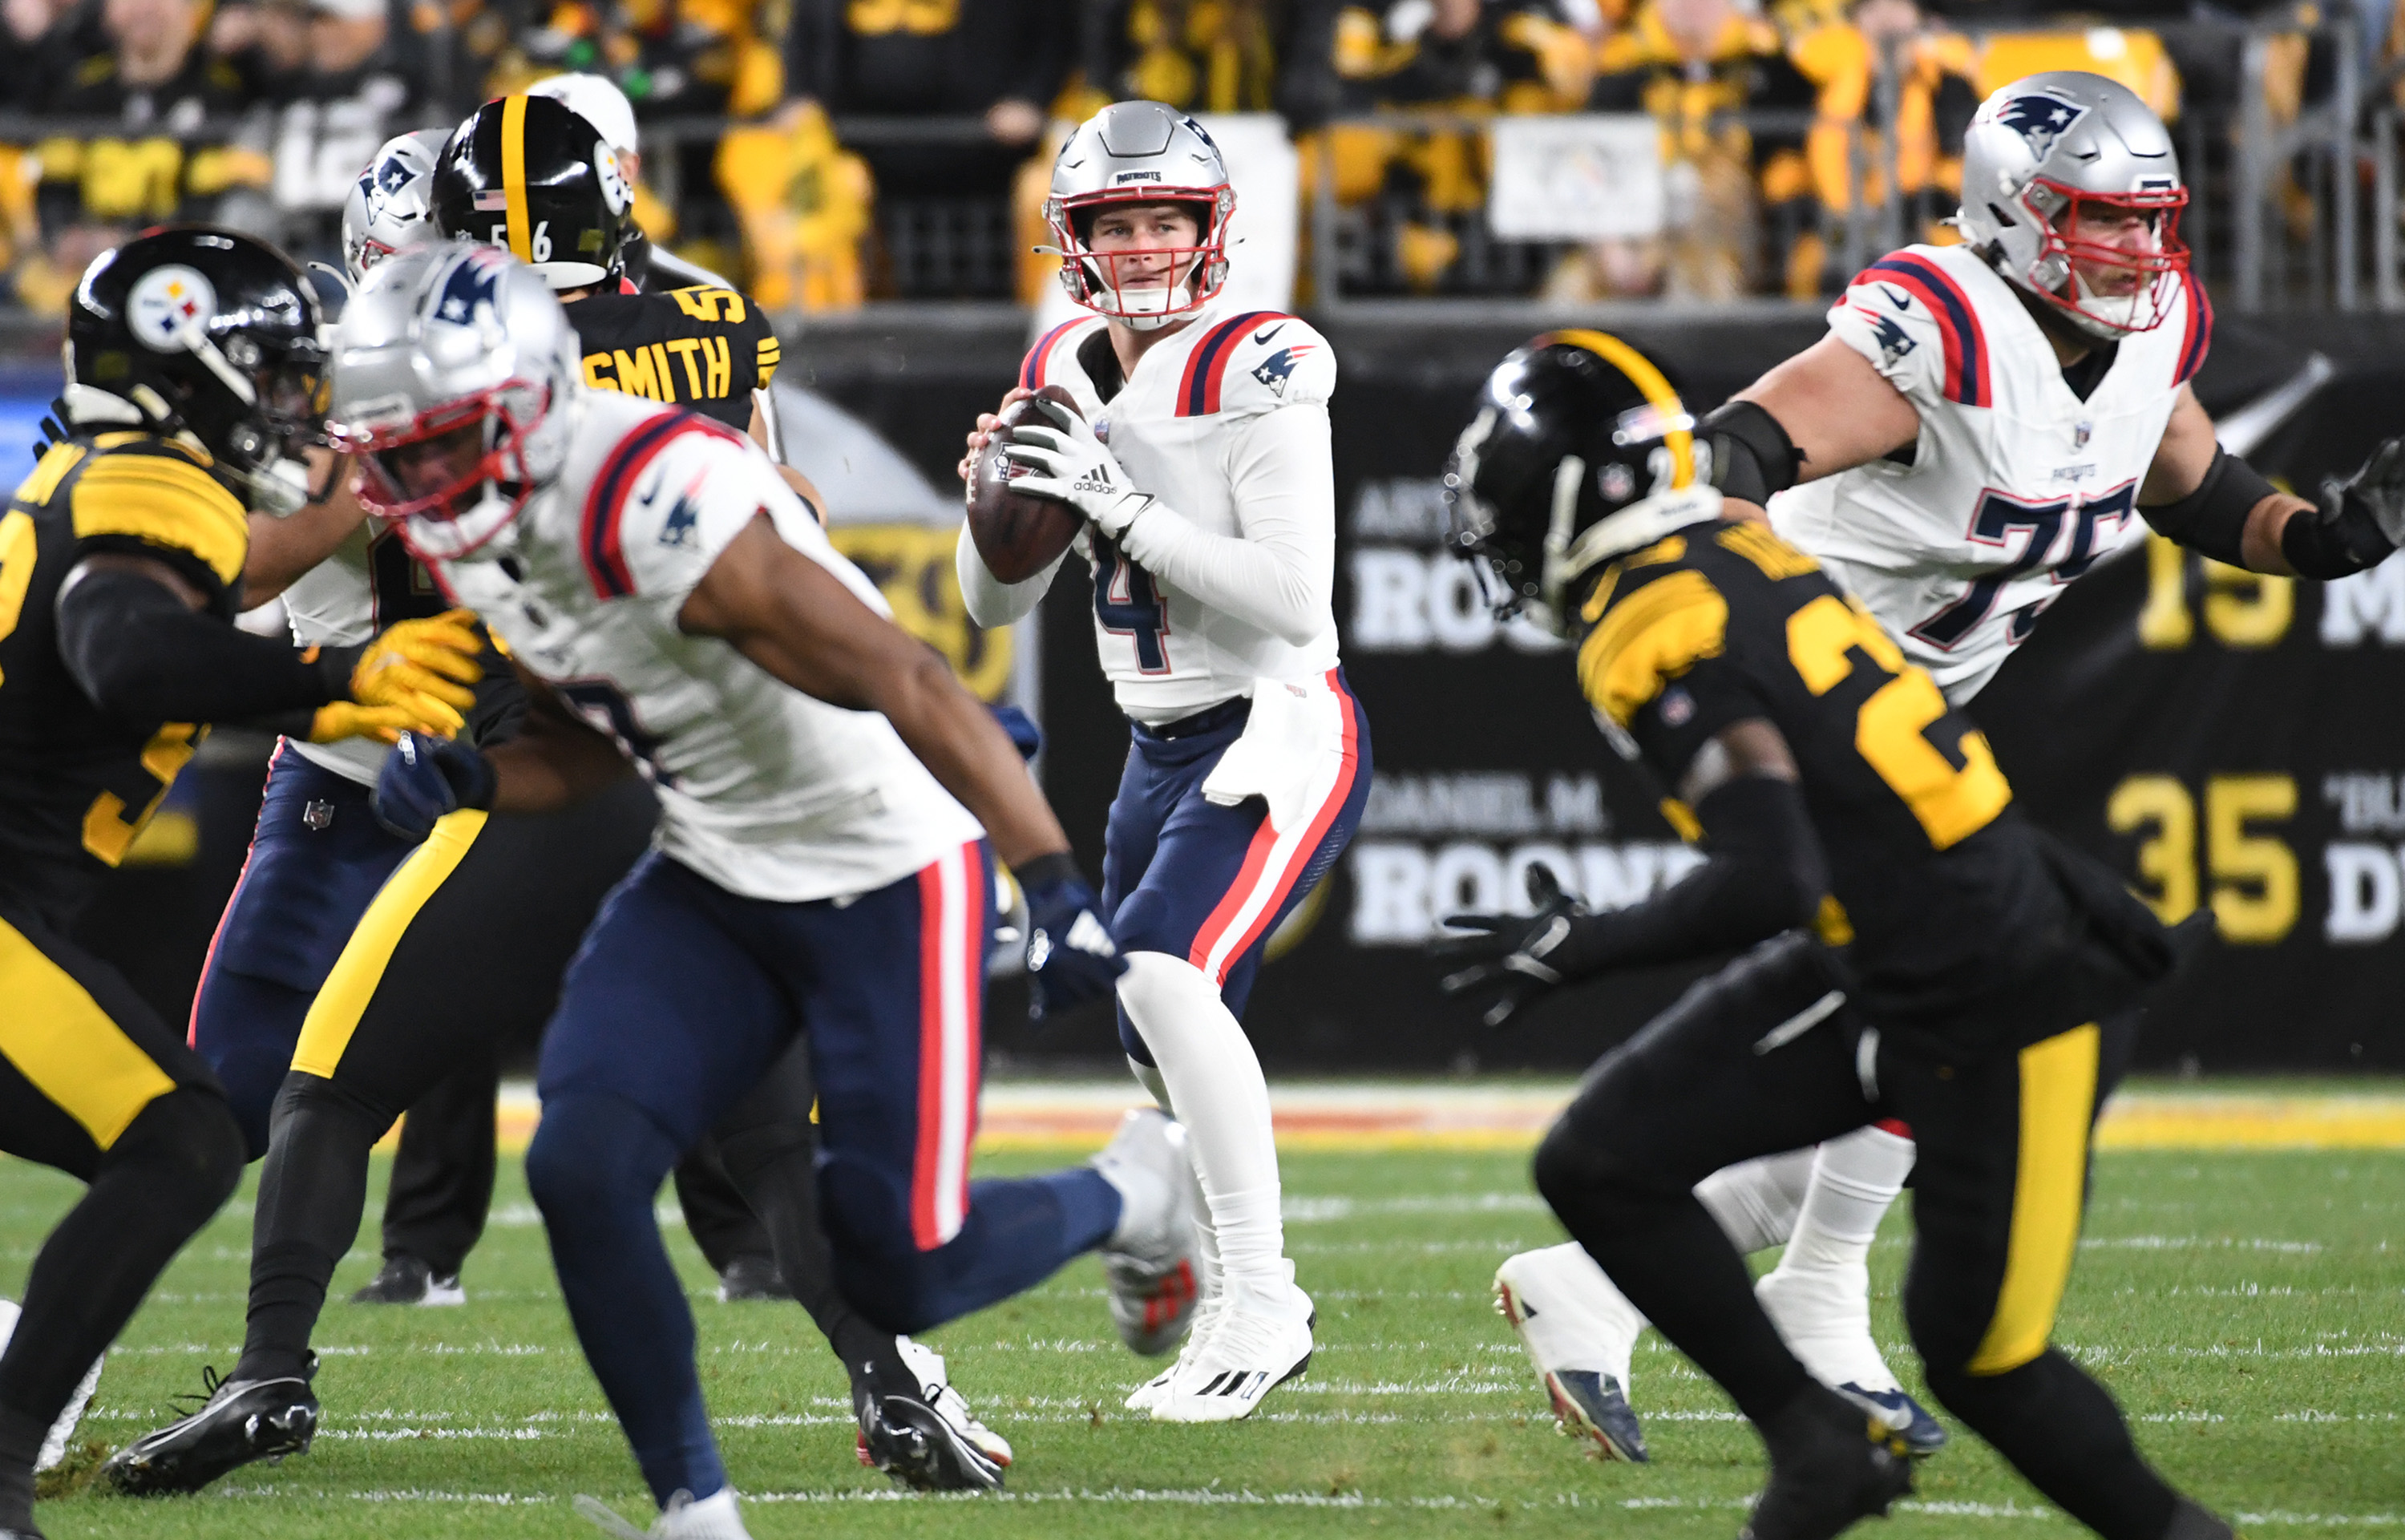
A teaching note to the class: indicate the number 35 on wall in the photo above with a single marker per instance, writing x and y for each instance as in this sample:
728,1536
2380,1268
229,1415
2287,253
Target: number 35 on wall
2252,875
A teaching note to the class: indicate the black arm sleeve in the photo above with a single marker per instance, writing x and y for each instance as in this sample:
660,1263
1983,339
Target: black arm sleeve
2212,518
1753,456
139,652
1765,873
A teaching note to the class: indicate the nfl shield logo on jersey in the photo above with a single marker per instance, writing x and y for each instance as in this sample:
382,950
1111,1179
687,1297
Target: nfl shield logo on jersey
2039,120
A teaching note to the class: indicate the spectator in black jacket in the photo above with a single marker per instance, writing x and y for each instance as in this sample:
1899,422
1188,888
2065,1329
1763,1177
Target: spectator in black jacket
1002,61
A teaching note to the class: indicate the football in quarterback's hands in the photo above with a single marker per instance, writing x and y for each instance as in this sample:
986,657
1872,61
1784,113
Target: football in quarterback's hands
1017,535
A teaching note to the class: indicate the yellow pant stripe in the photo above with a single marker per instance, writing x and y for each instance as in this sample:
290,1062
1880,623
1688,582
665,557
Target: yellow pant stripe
335,1013
58,1037
2058,1102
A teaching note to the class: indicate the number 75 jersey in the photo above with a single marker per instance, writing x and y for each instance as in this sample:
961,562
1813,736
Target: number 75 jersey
2015,486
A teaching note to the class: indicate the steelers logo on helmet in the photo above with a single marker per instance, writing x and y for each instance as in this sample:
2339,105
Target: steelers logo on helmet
1582,451
169,308
614,191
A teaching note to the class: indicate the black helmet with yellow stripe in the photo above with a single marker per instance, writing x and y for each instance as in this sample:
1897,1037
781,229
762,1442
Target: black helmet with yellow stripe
1580,451
526,173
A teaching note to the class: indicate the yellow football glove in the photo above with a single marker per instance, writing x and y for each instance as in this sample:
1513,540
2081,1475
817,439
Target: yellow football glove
385,724
419,665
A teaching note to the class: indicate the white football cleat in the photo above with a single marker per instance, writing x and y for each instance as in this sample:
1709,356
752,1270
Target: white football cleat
714,1517
54,1447
952,1406
1579,1333
1149,1262
1249,1351
1823,1313
1144,1396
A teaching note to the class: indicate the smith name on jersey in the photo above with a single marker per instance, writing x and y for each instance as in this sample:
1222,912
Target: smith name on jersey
1725,622
1192,426
702,347
763,790
2016,485
76,784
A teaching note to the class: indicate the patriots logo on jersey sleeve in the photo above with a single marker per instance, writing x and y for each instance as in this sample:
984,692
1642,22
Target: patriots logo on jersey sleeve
678,530
1893,340
1276,370
2040,121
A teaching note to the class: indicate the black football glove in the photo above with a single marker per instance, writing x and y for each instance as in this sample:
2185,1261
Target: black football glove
1513,950
1071,957
2374,495
424,777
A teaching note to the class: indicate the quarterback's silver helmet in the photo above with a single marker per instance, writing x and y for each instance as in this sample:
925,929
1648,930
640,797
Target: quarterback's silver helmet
2051,163
1140,153
385,210
456,381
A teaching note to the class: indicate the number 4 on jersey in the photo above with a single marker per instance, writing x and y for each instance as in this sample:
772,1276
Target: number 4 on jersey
1129,604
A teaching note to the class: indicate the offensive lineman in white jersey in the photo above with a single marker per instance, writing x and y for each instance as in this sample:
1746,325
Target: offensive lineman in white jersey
1211,529
671,602
1977,429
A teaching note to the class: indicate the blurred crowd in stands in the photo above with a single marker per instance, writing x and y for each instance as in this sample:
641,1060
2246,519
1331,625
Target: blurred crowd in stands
828,152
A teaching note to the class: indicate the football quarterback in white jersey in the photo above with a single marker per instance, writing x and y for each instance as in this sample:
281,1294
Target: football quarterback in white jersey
1198,459
1982,423
671,604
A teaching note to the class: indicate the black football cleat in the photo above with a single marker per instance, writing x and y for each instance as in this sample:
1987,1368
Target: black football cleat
244,1420
1831,1464
911,1442
750,1277
404,1279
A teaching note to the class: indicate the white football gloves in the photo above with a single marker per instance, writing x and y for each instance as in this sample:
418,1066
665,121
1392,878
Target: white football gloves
1068,464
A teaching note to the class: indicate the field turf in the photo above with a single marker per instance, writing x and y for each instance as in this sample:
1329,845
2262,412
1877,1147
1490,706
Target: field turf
2248,1309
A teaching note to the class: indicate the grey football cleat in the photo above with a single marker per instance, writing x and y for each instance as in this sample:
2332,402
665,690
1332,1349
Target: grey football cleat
1150,1263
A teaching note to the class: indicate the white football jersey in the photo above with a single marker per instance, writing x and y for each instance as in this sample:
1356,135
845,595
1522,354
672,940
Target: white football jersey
2015,486
763,790
370,582
1177,427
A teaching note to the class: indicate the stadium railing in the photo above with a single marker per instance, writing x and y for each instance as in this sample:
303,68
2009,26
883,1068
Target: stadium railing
2294,206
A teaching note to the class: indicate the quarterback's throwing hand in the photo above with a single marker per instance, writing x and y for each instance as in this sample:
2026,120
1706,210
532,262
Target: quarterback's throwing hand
1518,952
1071,957
1068,464
424,777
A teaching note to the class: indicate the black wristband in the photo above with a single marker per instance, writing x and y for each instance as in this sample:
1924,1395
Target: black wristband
1048,870
2212,518
1753,456
335,665
2329,543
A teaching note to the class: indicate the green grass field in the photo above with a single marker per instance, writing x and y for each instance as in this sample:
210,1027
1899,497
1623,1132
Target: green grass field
2248,1309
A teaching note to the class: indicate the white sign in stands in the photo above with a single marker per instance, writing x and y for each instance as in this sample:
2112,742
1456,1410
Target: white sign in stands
1589,177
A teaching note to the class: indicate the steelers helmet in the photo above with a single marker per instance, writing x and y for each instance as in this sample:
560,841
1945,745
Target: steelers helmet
208,334
526,173
1580,451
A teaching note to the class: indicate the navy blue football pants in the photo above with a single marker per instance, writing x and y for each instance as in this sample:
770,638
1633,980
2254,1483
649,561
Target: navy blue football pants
682,997
1183,875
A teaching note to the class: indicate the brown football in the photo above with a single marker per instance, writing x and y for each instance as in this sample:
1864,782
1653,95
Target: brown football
1019,536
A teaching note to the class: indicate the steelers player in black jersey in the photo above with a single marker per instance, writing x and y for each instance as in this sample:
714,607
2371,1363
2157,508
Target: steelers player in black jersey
193,378
1961,961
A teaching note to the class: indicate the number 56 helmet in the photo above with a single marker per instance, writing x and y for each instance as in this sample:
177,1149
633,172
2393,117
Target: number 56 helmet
1580,451
2051,149
458,343
1140,153
526,173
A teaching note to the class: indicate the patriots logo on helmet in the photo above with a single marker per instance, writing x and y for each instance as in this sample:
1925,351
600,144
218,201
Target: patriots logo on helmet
392,176
476,281
1276,370
2039,120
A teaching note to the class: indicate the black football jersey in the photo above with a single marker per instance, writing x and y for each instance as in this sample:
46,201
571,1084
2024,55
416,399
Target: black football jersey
702,347
77,786
1727,622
